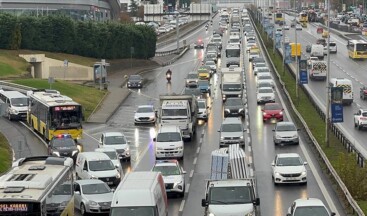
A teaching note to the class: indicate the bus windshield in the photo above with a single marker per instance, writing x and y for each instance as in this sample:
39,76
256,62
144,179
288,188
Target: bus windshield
134,211
64,117
361,47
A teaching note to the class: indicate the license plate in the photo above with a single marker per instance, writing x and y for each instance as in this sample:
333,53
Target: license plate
291,178
105,208
169,154
109,183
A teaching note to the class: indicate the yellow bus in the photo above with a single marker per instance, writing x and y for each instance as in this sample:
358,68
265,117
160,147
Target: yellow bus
51,114
357,49
303,17
279,18
38,186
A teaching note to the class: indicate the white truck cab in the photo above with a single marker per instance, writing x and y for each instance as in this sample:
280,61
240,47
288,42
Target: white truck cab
169,142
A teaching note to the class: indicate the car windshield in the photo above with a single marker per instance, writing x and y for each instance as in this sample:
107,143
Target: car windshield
286,127
311,210
210,63
211,55
272,107
63,142
265,90
134,78
98,188
169,137
202,105
192,91
231,127
259,65
233,102
289,161
19,102
217,40
64,189
264,77
174,112
230,195
167,170
231,87
145,110
264,84
134,211
114,140
263,69
112,155
234,40
101,165
192,76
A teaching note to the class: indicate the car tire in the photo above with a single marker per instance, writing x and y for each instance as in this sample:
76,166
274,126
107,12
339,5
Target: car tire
83,210
359,127
355,124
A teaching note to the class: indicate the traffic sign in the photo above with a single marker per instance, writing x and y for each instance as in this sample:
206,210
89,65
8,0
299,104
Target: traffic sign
66,63
336,113
303,78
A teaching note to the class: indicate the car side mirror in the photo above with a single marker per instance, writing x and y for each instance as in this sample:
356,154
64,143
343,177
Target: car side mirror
272,164
289,214
204,203
117,166
154,139
218,130
332,214
305,163
183,172
77,192
273,130
257,202
113,189
262,110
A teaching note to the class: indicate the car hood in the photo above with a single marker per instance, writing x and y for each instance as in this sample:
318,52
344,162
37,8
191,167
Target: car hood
118,146
169,144
148,114
231,210
260,95
272,111
104,173
289,169
106,197
286,133
231,134
233,107
202,110
172,179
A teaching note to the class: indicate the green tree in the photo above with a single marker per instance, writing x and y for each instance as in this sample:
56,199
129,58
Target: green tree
16,37
133,8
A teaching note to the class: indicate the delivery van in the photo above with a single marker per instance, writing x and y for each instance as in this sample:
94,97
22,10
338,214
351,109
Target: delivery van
16,104
140,193
347,85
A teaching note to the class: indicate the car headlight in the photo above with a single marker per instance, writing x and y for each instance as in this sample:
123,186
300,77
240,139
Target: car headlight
304,173
278,136
227,110
63,204
93,177
295,136
159,148
74,152
93,203
241,137
211,214
240,110
56,153
264,113
179,148
14,111
118,175
281,113
152,117
250,214
177,183
277,174
239,95
128,83
222,138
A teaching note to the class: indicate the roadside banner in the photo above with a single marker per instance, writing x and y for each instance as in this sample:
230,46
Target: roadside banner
303,78
278,39
337,113
287,53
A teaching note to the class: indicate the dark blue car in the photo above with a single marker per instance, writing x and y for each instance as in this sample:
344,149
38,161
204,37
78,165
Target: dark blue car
204,86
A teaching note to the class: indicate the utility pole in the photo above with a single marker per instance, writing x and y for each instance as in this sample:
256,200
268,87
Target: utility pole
327,117
297,66
177,33
283,35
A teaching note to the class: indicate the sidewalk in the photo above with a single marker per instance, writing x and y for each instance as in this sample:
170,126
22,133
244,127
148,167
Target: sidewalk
118,91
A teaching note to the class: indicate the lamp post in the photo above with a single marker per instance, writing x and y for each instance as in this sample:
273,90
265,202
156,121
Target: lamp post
327,117
177,32
296,54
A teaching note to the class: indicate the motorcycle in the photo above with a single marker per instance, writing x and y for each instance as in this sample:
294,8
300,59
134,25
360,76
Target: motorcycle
168,77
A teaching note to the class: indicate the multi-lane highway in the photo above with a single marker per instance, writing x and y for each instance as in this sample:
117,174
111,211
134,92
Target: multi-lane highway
341,66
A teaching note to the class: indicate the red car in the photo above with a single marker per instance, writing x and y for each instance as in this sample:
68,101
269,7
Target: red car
272,110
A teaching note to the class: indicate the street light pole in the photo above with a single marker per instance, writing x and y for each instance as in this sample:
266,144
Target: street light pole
297,66
283,35
177,33
327,117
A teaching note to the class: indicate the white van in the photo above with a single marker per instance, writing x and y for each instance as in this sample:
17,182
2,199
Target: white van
112,154
169,142
140,193
16,104
97,165
347,89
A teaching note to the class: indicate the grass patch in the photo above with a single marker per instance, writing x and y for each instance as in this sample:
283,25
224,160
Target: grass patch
5,154
88,97
354,177
11,65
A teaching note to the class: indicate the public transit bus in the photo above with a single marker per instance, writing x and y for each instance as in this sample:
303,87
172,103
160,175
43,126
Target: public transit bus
51,114
357,49
38,186
279,18
303,17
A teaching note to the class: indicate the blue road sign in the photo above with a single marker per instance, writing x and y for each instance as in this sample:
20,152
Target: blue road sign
303,78
336,113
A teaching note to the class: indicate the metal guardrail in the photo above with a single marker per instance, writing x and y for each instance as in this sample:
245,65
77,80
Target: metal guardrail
169,52
177,57
16,87
348,196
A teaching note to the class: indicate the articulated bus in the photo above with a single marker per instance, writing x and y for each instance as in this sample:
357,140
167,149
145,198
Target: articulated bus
52,114
357,49
38,186
279,18
303,17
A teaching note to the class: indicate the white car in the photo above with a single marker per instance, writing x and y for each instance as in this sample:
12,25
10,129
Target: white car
298,27
308,206
116,140
162,30
249,45
279,31
289,168
360,119
212,65
259,70
203,110
286,27
260,64
145,114
285,132
265,77
265,95
112,154
169,142
173,175
264,83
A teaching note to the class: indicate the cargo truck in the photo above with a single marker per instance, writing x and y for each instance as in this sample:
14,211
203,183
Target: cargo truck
232,82
230,190
181,111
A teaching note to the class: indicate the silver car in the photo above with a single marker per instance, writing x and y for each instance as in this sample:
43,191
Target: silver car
192,78
285,132
231,132
92,196
145,114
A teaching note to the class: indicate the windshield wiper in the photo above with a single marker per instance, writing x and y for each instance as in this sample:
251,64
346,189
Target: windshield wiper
218,202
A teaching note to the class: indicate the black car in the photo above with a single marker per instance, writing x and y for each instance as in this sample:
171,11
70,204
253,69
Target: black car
63,145
192,90
199,44
234,107
308,48
135,81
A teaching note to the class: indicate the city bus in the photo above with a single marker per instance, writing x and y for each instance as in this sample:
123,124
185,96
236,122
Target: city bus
357,49
38,186
279,18
303,17
51,114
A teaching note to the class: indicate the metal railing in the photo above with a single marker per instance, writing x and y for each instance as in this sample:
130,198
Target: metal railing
352,203
16,87
173,60
169,52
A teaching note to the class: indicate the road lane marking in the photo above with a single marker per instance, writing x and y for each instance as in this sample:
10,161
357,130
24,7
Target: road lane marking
249,140
249,148
187,188
198,150
195,160
191,173
251,172
250,160
201,140
182,206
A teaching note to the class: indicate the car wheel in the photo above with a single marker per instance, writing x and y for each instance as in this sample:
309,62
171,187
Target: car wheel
182,194
359,127
82,209
355,124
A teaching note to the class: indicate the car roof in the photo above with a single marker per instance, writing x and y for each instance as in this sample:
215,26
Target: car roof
231,120
264,74
286,155
89,181
309,202
145,106
109,134
265,88
166,163
285,123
